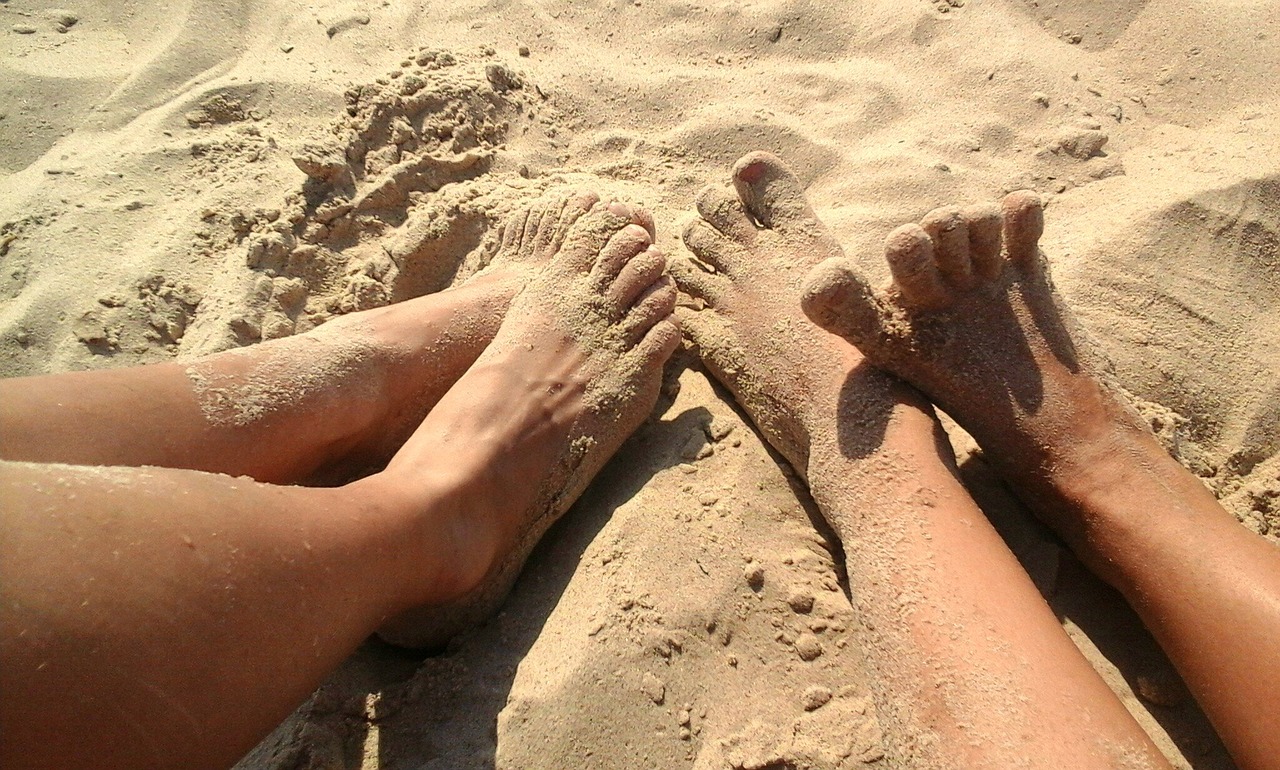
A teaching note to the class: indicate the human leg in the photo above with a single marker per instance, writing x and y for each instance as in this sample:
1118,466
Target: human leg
983,334
974,669
169,618
346,394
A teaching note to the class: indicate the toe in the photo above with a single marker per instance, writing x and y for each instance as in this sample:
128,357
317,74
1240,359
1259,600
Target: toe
513,230
1023,226
635,277
547,225
984,223
624,246
708,244
723,210
635,215
838,298
950,234
771,193
658,343
656,303
572,210
540,212
910,254
696,281
592,231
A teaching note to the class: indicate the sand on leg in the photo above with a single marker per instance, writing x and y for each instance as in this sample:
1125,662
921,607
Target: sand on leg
583,364
333,402
1000,353
160,617
972,667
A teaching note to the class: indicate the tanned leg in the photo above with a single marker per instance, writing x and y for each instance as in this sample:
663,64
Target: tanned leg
983,334
346,394
972,667
166,618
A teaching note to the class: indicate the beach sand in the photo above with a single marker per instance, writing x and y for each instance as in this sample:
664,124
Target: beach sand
167,187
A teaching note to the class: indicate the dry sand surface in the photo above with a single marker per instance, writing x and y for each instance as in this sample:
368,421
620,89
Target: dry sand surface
163,194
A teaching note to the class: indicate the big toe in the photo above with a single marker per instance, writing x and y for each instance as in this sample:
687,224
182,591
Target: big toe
772,194
591,233
838,298
617,253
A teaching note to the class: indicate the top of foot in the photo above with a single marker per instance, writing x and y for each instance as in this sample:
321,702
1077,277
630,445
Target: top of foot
754,244
574,369
971,318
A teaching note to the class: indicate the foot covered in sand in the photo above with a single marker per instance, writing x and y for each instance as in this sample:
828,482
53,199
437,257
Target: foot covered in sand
574,369
754,244
420,347
972,319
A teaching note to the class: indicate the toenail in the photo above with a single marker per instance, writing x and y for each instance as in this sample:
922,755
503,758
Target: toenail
621,209
638,231
752,172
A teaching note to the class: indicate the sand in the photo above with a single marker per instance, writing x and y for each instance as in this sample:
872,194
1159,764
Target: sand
177,179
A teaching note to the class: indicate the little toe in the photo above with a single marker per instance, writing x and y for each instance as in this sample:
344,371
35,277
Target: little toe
910,254
634,214
708,244
984,224
624,246
635,276
1023,226
771,193
950,234
654,304
838,298
724,211
697,281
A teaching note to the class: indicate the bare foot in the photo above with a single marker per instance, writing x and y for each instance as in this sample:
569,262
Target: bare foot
423,345
754,246
573,371
981,332
881,472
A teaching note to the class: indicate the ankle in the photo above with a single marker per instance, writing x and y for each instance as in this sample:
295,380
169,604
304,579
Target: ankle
449,537
1108,495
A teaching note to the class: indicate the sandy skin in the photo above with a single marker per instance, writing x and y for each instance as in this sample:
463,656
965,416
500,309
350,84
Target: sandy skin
979,329
192,615
329,405
961,643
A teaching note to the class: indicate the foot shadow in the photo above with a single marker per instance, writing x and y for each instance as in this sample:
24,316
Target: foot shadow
1092,609
409,710
447,714
871,430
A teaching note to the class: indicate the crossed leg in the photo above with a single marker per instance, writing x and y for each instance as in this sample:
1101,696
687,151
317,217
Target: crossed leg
974,668
983,334
159,617
327,404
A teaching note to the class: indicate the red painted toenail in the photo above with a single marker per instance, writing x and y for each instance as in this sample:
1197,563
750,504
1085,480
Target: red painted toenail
751,173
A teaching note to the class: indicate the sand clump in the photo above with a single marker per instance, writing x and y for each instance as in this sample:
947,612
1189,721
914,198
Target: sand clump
177,184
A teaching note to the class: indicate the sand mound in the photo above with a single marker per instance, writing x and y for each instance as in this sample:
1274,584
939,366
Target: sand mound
178,180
